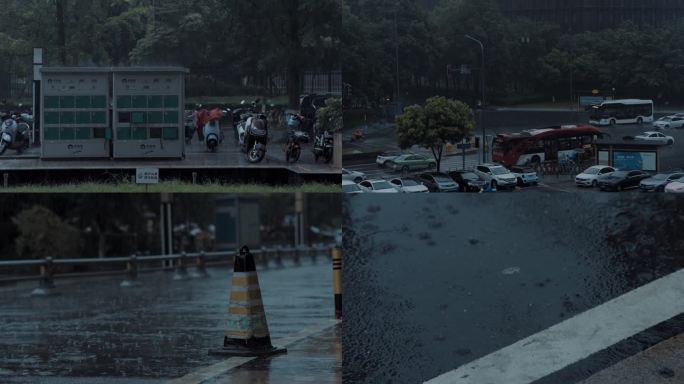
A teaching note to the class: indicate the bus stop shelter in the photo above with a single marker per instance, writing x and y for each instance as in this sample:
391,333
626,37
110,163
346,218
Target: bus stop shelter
629,154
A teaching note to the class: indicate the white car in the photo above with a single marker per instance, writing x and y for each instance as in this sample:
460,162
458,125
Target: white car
409,185
377,186
351,187
667,122
589,177
384,158
656,137
675,187
354,176
497,176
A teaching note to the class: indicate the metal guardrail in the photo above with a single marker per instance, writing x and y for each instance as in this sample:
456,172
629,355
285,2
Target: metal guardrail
181,261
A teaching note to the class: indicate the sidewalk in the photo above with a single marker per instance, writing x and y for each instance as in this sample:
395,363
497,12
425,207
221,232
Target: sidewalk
662,363
313,356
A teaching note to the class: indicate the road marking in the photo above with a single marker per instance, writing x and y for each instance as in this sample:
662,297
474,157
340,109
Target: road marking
212,371
568,342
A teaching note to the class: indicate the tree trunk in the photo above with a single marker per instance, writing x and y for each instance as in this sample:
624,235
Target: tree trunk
61,31
294,61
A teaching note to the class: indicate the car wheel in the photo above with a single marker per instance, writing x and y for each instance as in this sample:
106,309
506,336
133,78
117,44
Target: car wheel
670,142
613,122
494,184
640,121
667,127
593,184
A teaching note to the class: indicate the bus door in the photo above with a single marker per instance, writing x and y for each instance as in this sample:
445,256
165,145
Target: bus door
551,150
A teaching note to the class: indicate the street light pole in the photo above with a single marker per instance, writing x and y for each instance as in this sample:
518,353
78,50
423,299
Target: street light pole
482,86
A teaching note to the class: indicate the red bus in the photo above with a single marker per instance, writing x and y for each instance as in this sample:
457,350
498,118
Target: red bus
540,145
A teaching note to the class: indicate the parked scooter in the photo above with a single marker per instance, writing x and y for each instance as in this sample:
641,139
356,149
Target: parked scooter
13,136
213,135
254,137
323,147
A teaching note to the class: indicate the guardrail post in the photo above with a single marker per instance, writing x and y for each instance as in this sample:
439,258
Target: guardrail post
313,253
297,252
201,267
5,180
263,257
279,257
46,284
131,272
336,255
181,272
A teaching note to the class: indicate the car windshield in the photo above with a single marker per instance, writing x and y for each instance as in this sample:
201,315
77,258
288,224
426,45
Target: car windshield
347,188
592,171
443,179
499,171
666,119
381,185
410,183
618,174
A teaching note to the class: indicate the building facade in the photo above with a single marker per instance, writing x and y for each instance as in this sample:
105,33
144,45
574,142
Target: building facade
592,15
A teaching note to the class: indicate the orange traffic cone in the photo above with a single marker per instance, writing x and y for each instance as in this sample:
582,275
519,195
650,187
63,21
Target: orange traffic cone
247,333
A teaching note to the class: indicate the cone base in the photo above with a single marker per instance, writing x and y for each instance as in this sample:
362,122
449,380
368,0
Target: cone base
246,352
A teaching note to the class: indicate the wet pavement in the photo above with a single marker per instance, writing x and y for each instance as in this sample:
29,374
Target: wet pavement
434,284
227,156
99,332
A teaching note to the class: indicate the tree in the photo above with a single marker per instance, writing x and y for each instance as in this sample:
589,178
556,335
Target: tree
441,121
43,233
329,118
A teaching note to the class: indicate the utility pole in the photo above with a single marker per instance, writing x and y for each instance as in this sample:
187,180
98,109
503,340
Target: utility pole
396,56
482,101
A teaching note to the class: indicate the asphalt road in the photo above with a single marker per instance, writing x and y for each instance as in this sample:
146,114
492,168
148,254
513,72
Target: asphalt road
95,331
383,138
435,283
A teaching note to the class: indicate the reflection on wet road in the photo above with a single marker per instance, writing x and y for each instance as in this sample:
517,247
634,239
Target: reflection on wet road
435,283
161,329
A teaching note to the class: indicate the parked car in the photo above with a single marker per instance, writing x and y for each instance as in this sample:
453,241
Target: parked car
656,137
589,177
660,181
497,176
351,187
675,187
409,185
438,182
386,157
377,186
621,180
667,122
407,163
354,176
525,175
468,181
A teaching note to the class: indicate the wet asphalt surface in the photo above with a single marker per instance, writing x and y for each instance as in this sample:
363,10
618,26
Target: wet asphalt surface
161,329
507,121
433,283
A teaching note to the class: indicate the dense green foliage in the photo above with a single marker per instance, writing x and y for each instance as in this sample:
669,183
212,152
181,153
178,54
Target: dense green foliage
223,42
524,59
441,121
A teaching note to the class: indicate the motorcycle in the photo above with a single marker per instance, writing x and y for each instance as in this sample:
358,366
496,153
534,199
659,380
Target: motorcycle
295,137
255,138
323,147
14,136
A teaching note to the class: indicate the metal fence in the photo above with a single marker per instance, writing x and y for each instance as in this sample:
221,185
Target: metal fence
49,268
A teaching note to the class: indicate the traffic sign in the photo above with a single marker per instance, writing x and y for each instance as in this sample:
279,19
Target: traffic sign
147,176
